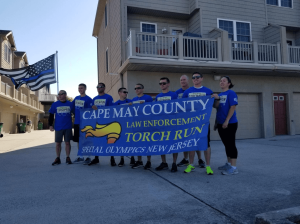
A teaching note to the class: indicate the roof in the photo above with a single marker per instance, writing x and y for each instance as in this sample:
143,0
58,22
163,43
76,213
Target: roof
22,54
9,35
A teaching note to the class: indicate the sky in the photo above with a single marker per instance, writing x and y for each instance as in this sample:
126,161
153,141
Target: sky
43,27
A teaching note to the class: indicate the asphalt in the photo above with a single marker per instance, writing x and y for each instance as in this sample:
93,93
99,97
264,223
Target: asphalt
33,191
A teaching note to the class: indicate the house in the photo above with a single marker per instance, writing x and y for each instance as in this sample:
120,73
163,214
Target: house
256,43
15,105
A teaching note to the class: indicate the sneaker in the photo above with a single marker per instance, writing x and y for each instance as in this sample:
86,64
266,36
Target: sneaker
201,163
137,164
225,167
209,171
132,161
78,160
94,161
121,163
162,166
112,161
183,162
230,171
68,160
147,166
189,169
87,161
174,168
56,161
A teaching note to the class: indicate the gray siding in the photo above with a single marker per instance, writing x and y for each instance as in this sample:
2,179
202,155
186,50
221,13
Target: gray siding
272,34
297,42
285,16
133,22
248,10
194,23
214,34
179,6
193,5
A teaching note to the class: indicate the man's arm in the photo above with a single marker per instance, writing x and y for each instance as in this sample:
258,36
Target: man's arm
50,121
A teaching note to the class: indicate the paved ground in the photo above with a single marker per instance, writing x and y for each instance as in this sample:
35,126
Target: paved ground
33,191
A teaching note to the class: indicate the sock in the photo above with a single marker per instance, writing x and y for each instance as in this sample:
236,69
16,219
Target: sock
234,167
207,165
192,165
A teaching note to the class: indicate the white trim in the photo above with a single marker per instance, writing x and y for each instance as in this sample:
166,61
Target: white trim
279,4
234,27
106,61
150,24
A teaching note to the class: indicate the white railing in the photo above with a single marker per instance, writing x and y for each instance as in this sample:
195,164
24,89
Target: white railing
242,51
149,44
3,87
267,53
294,54
47,97
200,48
17,95
8,90
128,47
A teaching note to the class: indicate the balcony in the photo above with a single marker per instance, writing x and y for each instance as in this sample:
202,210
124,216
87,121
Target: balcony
47,98
9,93
216,53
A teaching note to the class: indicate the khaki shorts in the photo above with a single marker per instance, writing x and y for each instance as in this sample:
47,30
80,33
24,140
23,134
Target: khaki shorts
65,134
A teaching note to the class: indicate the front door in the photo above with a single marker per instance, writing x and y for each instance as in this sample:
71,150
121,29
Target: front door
280,113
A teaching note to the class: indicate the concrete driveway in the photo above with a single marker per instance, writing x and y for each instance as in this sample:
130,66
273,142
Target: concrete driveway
33,191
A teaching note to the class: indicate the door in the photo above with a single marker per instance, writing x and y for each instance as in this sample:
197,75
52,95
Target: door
280,113
296,102
175,31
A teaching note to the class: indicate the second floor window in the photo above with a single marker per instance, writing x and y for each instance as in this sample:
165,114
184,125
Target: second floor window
282,3
237,30
7,53
148,28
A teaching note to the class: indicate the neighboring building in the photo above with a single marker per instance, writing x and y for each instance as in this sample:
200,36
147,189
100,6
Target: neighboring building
15,105
256,43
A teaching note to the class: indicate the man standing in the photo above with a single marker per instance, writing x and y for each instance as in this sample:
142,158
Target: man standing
80,102
195,91
140,98
166,95
102,100
63,125
184,82
123,100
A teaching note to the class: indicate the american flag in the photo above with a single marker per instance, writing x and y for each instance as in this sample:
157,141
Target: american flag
35,76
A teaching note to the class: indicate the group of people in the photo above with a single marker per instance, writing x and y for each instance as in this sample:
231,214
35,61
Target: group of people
226,121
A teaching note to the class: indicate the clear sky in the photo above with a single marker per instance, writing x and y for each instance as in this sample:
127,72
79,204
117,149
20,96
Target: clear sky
43,27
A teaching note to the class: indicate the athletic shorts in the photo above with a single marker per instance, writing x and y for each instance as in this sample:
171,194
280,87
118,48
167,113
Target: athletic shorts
65,134
76,133
208,137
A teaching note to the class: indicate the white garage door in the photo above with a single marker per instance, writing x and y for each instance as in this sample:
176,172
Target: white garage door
296,104
248,115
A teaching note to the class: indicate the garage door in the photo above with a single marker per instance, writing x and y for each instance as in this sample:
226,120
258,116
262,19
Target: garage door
296,105
248,114
7,119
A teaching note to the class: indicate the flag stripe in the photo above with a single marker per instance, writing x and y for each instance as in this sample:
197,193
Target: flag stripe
48,81
12,72
37,76
36,82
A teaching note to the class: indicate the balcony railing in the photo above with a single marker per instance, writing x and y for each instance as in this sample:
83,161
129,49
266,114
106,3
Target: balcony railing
193,48
294,54
47,97
6,89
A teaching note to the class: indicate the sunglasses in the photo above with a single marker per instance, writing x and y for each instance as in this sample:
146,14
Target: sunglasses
138,88
61,94
100,86
163,83
125,92
196,77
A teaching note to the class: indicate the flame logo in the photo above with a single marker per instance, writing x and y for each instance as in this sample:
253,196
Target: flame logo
111,130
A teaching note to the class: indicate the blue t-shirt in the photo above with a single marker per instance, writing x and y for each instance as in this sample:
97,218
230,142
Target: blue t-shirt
166,96
144,98
179,93
63,118
195,92
120,102
102,101
81,103
227,99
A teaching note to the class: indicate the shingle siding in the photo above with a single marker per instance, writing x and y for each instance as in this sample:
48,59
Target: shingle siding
285,16
110,37
251,11
194,23
272,35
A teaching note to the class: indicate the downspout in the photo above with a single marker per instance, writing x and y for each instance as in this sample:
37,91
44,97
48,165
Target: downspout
97,60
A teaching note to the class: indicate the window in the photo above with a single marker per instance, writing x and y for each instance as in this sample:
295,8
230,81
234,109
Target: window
148,28
237,30
105,15
7,53
22,65
106,60
281,3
